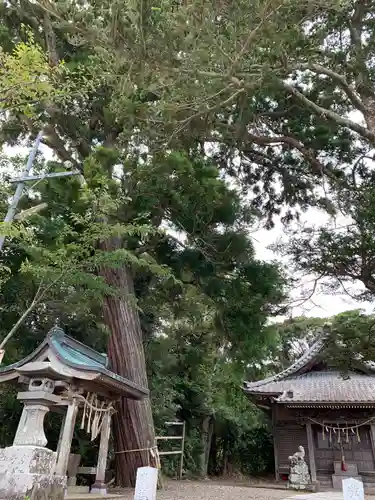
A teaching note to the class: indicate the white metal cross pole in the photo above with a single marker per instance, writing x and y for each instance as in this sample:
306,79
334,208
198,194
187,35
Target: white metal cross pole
25,177
19,190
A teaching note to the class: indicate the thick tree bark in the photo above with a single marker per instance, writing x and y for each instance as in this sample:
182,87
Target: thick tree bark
212,459
133,424
207,432
225,459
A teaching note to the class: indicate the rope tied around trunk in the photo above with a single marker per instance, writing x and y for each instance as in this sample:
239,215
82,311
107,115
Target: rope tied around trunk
153,452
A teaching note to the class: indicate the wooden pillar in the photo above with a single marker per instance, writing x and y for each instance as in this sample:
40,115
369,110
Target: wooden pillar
59,443
372,437
275,446
66,438
99,485
310,444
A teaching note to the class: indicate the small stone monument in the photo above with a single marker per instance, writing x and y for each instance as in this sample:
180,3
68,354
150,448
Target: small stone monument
299,477
353,489
146,484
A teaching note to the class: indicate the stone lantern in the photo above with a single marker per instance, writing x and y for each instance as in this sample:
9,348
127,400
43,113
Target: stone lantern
61,375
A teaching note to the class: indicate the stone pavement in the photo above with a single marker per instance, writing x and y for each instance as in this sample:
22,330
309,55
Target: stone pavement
331,495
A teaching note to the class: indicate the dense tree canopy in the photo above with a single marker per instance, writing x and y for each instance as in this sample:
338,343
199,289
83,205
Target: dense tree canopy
189,122
206,277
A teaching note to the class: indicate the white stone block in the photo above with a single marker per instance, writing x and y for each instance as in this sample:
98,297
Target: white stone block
146,484
353,489
23,467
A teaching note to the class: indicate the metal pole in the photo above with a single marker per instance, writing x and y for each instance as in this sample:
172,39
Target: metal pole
41,177
19,190
182,451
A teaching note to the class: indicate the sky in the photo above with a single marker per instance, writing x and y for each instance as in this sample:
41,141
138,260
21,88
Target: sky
321,304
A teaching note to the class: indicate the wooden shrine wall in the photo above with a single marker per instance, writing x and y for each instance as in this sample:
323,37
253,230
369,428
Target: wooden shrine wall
287,438
289,431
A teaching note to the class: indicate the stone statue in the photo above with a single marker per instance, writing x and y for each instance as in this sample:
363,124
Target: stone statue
298,456
299,477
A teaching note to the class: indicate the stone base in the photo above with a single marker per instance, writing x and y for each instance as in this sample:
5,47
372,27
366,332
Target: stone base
299,477
78,490
337,480
24,468
98,488
298,487
314,487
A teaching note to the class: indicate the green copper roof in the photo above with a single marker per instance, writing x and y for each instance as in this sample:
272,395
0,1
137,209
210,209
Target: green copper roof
76,355
79,356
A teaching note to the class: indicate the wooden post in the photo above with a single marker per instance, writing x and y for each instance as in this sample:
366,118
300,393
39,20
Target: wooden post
176,452
275,447
99,486
310,444
59,443
372,437
182,450
66,438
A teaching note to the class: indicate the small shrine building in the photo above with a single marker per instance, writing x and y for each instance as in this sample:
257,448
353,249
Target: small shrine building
61,375
312,405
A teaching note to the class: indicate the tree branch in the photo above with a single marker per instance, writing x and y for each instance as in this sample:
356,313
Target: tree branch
51,41
356,29
265,16
24,315
307,153
352,95
40,293
53,140
260,140
184,123
327,113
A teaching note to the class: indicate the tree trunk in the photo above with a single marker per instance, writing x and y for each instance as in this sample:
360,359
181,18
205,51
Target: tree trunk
133,423
212,459
207,431
225,457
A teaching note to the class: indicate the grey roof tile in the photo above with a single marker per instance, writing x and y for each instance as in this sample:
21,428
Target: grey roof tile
298,384
325,386
294,368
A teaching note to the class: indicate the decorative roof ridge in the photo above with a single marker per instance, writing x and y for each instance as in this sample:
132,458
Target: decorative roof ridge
308,356
26,359
57,340
57,333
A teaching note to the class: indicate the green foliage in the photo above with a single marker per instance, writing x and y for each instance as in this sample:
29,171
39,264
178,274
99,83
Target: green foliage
156,105
349,340
202,383
26,77
290,340
342,255
263,83
186,286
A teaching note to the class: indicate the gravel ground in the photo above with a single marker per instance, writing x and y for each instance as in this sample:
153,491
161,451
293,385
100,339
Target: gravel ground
205,490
